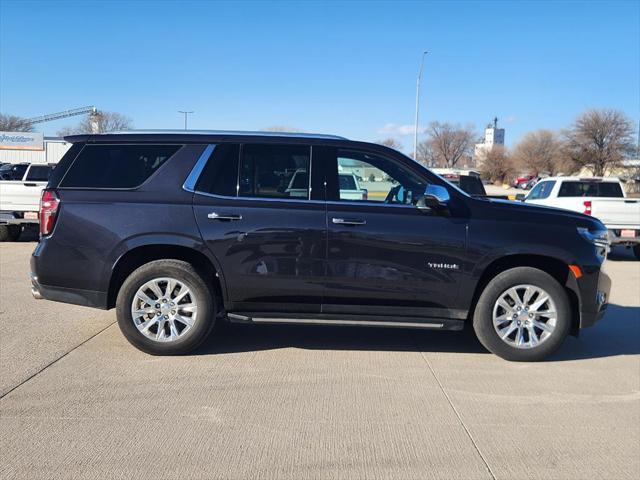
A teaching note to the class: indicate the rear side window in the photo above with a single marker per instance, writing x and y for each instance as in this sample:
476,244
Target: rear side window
116,166
39,173
590,189
541,190
274,171
220,176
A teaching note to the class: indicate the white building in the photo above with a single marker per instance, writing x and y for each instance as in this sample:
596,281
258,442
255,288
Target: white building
48,150
492,136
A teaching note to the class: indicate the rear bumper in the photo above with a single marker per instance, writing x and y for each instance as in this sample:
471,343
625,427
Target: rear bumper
86,298
616,238
15,218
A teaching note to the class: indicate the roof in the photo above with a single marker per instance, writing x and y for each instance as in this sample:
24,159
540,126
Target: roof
582,179
205,133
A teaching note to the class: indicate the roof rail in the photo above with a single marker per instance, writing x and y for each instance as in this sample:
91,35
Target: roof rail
228,133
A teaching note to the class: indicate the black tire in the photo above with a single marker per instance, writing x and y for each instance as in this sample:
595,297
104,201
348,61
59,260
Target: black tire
483,315
185,273
14,232
10,233
636,251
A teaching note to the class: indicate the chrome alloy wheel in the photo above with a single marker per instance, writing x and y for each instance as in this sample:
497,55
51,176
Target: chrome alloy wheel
524,316
164,309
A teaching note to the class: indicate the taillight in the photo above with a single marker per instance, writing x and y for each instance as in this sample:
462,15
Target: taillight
49,204
587,207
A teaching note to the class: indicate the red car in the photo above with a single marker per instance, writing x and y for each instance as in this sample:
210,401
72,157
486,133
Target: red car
520,180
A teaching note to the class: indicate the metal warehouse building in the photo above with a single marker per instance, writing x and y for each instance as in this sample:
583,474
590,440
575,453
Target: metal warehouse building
45,150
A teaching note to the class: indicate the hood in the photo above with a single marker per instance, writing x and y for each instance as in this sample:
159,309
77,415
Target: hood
526,212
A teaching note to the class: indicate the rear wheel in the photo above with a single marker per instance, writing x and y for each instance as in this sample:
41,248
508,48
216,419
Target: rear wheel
10,233
636,251
165,308
523,314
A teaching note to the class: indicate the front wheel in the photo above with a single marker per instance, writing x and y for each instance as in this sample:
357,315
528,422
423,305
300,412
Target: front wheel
523,314
165,307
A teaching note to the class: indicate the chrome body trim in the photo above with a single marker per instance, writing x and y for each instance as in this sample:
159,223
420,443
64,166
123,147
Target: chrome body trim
336,322
190,183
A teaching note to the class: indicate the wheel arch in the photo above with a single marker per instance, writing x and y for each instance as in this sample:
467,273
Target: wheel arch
555,267
138,256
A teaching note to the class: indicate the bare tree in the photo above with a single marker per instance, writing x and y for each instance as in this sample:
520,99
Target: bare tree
599,140
449,143
539,151
101,122
497,165
426,154
391,143
12,123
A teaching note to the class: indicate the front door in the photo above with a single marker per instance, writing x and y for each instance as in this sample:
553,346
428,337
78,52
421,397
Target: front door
386,256
254,209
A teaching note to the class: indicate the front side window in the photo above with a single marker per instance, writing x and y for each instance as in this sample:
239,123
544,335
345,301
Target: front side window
541,190
372,178
116,166
274,171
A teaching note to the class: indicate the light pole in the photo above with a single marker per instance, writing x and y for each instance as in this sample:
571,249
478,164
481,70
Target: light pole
415,127
185,117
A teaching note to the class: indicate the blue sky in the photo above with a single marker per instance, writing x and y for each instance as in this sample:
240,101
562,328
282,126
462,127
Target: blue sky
334,67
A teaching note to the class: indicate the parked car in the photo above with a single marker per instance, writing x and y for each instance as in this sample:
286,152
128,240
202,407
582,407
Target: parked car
603,198
13,171
20,193
349,187
528,185
179,230
522,181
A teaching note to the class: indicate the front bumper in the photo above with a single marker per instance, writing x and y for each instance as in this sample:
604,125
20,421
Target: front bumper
594,292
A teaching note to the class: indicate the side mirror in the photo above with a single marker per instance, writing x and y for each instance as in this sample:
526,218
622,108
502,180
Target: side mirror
435,196
520,197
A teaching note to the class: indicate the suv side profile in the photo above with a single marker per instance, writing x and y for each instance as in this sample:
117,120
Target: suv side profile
178,230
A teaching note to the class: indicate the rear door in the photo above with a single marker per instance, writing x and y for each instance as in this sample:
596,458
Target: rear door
256,211
385,256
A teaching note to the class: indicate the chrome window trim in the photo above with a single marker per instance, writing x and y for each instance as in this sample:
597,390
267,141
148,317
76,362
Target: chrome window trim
292,200
196,171
190,183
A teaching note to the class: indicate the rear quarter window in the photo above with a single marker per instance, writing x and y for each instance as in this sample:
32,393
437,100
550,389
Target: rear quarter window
116,166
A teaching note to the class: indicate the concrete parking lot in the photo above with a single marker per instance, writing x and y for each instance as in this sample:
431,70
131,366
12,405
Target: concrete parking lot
77,401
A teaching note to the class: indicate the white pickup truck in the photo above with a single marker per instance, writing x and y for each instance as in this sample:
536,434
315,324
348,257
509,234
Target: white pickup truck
604,198
20,191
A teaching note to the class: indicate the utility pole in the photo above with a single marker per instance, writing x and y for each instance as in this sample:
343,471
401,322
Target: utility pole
185,117
415,127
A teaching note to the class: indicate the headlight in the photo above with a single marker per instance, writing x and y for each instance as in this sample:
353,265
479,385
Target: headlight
599,238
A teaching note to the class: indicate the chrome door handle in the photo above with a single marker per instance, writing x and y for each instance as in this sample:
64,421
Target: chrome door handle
216,216
348,221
